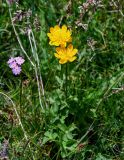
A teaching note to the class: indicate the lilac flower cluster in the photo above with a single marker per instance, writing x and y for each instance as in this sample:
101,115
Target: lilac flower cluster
15,64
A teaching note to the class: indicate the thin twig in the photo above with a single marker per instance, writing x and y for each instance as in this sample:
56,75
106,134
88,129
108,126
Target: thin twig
38,62
36,72
34,51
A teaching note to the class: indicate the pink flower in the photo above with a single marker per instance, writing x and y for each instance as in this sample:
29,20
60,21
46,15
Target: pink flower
15,64
19,60
11,60
16,70
12,65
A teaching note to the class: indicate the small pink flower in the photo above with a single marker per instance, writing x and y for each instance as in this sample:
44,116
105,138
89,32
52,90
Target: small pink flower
17,70
15,64
19,60
11,60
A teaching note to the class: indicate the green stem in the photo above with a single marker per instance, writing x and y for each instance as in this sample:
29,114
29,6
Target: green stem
20,99
66,80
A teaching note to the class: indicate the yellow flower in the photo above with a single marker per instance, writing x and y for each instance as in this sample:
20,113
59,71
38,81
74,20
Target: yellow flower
66,54
59,36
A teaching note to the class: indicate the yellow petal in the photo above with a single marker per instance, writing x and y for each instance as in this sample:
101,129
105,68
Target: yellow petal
64,28
56,55
70,47
51,29
72,59
62,61
53,43
63,44
70,39
58,49
74,52
56,27
48,34
56,43
69,33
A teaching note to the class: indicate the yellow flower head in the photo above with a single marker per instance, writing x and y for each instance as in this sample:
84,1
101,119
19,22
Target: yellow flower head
66,54
59,36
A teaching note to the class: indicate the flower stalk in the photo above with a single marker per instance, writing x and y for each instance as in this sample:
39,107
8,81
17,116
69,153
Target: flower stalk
66,80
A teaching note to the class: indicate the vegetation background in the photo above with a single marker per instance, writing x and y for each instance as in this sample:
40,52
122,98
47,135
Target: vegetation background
79,115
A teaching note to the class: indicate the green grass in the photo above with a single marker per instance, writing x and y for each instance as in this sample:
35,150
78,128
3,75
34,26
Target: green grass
78,117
